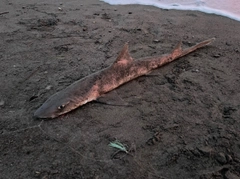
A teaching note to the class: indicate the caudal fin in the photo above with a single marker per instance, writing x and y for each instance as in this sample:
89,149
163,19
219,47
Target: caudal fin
179,52
197,46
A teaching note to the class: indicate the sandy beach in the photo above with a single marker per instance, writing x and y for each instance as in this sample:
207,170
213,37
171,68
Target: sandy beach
183,121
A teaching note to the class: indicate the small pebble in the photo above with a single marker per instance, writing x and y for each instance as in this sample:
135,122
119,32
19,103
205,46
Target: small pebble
156,40
221,158
195,70
216,55
49,87
206,150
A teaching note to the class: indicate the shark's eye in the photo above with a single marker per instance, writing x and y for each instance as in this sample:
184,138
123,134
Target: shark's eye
61,107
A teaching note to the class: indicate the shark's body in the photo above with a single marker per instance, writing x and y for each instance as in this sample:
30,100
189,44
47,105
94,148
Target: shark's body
95,85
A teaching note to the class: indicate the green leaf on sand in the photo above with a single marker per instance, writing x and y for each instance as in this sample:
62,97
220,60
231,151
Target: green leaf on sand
118,145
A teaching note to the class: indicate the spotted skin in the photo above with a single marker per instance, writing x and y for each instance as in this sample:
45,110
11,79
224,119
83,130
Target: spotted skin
123,70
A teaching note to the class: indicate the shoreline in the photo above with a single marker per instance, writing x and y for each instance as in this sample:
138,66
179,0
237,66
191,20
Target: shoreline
176,6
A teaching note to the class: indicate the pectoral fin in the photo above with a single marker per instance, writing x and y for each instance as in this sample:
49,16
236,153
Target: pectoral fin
112,98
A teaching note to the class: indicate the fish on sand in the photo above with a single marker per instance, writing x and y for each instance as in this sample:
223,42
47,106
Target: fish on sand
91,87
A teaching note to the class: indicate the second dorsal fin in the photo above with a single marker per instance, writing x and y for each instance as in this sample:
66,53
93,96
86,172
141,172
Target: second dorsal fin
124,56
177,51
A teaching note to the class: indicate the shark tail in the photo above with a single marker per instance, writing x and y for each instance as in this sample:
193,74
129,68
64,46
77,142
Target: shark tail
178,52
197,46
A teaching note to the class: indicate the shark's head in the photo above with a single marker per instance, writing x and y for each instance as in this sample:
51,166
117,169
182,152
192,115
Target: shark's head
55,106
75,95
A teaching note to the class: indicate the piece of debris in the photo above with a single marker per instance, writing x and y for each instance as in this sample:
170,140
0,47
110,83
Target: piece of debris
1,13
118,145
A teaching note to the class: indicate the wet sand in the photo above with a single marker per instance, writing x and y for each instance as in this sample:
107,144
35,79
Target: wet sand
183,121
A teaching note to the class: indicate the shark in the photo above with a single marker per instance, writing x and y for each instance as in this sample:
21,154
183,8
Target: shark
93,86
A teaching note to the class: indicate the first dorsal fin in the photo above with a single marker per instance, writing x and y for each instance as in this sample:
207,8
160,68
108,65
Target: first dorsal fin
124,56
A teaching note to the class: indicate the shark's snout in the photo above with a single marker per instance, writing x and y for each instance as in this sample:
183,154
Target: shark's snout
42,113
39,114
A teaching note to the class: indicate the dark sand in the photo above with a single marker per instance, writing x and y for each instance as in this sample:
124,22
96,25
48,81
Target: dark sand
184,120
